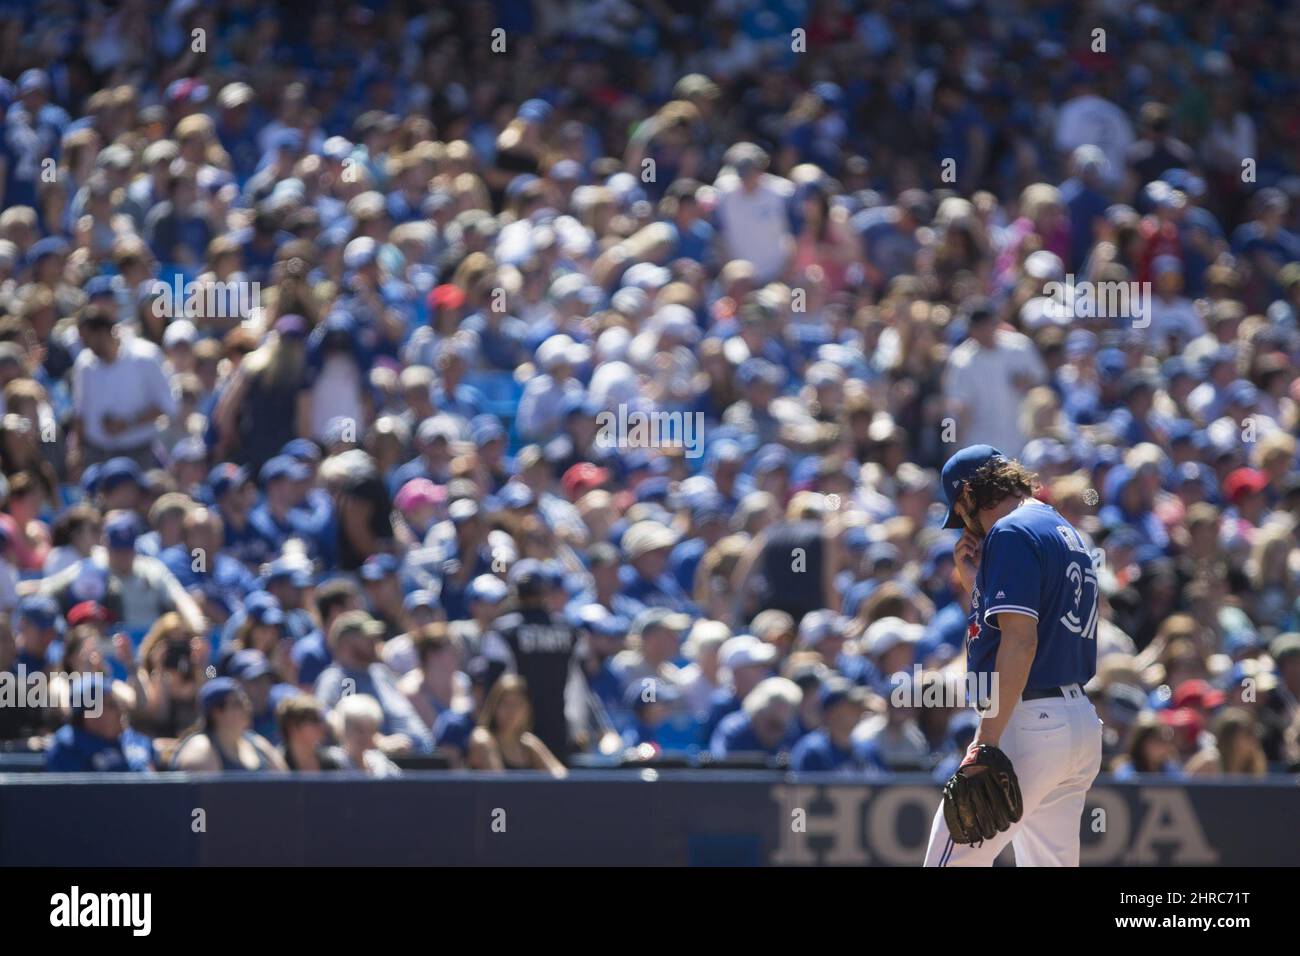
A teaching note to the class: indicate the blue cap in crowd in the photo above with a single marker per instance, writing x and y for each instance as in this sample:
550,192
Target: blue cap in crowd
420,599
360,252
49,246
772,458
1111,364
303,450
840,690
282,466
1242,393
295,571
97,287
485,429
121,530
755,371
249,664
225,477
527,576
535,111
190,450
40,611
515,494
116,472
816,626
265,611
215,693
883,552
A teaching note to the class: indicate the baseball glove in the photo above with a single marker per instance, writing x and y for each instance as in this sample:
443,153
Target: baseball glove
982,799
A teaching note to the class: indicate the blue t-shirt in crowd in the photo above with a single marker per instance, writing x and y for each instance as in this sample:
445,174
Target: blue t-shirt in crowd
816,752
77,750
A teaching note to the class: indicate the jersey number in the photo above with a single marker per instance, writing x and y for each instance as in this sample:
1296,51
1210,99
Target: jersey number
1082,581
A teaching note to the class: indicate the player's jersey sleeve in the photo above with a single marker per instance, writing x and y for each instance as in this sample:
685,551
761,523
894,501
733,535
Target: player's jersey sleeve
1012,574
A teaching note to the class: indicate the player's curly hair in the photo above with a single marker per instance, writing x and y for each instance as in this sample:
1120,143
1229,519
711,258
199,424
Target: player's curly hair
998,479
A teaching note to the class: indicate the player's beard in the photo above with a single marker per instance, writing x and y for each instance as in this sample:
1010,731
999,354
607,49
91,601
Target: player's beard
970,515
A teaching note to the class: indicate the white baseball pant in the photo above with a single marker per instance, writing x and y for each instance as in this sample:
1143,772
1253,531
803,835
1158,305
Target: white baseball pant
1054,743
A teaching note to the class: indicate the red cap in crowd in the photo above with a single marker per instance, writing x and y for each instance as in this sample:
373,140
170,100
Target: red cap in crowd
582,478
446,296
1197,694
1242,482
89,612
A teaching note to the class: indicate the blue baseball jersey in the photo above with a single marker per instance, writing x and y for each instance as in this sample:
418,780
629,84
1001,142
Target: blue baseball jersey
1035,563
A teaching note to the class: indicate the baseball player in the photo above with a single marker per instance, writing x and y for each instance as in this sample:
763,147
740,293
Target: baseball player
1031,646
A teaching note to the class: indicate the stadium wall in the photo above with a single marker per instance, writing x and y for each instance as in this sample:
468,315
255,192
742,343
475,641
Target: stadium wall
616,818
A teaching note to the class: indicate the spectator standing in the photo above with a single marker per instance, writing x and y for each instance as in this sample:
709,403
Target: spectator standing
986,379
753,212
540,647
119,390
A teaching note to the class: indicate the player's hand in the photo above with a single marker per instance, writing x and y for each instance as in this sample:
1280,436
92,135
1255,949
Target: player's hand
966,553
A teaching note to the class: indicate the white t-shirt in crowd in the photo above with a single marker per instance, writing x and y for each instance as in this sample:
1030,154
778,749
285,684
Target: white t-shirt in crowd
983,382
336,394
756,225
124,387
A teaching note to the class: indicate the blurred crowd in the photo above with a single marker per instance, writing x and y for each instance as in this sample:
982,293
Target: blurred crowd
327,332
